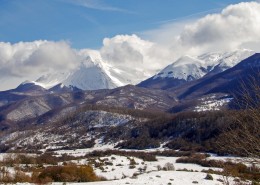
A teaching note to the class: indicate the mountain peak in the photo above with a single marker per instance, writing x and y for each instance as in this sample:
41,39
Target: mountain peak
93,73
188,68
30,86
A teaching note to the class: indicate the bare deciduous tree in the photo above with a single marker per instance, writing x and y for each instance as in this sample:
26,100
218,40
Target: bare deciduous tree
243,135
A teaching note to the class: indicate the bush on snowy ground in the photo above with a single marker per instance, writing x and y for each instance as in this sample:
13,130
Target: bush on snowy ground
169,167
209,177
71,173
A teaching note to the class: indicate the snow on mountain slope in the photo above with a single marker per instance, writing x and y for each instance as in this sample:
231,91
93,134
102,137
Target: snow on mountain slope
52,79
83,77
119,74
93,72
89,75
30,82
90,78
124,76
190,68
224,61
187,68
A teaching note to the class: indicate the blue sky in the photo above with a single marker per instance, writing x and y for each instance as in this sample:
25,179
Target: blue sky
40,37
85,23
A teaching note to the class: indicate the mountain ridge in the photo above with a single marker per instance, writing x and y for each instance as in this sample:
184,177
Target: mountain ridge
94,73
188,68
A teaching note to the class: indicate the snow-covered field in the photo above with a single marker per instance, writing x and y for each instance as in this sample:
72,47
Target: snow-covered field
161,178
130,170
119,172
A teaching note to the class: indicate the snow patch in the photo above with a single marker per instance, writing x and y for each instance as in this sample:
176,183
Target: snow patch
212,104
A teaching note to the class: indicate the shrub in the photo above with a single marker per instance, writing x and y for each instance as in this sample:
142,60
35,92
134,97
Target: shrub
135,176
20,176
9,160
200,160
183,145
168,167
108,163
69,174
131,166
209,177
47,159
142,155
132,162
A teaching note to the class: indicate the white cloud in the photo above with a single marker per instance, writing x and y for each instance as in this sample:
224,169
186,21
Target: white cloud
33,58
130,52
234,26
237,26
125,50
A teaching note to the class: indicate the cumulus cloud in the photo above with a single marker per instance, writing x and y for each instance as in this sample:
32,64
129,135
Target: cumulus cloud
32,58
132,52
124,50
235,26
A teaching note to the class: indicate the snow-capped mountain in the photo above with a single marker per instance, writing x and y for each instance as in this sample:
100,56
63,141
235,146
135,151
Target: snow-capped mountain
231,81
186,67
88,75
189,68
93,73
219,62
31,101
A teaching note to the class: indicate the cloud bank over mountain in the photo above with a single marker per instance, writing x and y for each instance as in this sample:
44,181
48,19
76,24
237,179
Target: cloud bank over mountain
36,57
132,52
236,26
